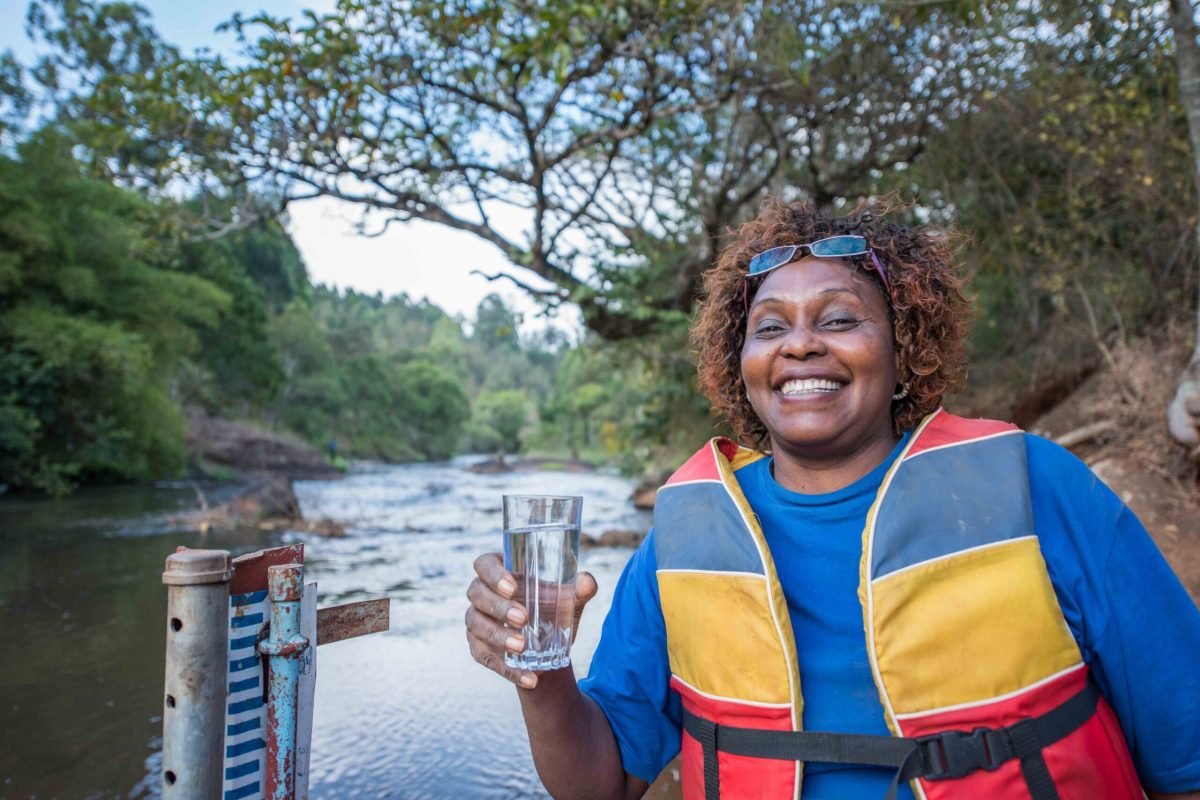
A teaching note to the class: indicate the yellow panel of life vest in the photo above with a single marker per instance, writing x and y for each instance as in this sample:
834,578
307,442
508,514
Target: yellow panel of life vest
973,626
746,663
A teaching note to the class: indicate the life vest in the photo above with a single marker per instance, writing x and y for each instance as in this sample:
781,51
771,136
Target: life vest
975,666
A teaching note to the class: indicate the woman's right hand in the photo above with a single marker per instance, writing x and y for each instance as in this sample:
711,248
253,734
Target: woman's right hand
494,618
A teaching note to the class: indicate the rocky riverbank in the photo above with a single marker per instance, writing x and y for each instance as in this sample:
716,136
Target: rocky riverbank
264,464
237,448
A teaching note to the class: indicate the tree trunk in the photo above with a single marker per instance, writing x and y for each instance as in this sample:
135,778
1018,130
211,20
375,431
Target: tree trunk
1183,414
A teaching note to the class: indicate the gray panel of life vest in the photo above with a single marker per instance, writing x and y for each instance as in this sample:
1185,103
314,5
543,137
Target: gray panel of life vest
951,499
698,526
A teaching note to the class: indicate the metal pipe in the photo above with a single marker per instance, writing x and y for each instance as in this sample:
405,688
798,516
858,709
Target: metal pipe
285,587
197,651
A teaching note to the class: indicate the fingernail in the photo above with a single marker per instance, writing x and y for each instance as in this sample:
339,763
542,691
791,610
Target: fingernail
516,616
528,681
506,587
515,643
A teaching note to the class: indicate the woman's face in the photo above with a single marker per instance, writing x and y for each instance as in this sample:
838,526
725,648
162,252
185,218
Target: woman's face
819,361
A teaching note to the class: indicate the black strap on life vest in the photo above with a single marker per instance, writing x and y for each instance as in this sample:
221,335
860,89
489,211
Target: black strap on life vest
943,756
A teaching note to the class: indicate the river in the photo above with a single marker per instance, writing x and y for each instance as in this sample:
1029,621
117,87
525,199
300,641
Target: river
401,714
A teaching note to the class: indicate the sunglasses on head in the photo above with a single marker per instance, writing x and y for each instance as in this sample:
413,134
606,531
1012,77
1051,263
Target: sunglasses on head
831,247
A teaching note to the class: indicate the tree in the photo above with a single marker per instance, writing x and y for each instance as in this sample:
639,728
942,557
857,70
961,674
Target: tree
1183,414
311,393
240,366
1062,177
496,325
498,419
270,259
15,97
447,348
602,148
433,407
118,89
95,318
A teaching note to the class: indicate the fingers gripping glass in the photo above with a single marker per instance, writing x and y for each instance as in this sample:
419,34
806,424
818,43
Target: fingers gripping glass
831,247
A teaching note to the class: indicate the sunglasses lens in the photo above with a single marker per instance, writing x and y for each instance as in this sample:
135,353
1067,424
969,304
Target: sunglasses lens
770,259
839,246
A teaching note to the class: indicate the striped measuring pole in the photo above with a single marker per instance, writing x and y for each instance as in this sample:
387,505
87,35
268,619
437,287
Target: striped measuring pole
246,715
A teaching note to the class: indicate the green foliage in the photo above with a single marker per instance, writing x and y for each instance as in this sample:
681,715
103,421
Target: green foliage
376,375
312,393
239,368
113,319
270,259
358,324
1075,179
375,423
15,97
496,325
632,404
447,348
94,318
110,320
497,360
497,420
401,412
620,132
434,408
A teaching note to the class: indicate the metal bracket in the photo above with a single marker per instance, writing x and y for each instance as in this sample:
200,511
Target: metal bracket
351,620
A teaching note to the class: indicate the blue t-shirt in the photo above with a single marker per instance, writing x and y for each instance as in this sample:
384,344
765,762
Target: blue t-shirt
1135,624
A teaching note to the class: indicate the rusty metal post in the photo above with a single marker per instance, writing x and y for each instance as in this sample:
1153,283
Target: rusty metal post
197,650
285,587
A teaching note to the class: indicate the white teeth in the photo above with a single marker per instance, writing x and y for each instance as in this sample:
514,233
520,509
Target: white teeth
810,385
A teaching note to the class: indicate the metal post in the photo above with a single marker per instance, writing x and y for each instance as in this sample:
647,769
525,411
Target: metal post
285,587
197,650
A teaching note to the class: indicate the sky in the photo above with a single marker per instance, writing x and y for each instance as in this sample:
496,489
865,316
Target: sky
418,259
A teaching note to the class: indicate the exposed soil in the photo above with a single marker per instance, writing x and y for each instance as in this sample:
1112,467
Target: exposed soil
1116,422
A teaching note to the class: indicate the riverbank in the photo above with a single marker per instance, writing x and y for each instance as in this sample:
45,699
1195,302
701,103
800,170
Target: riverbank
226,449
500,464
262,465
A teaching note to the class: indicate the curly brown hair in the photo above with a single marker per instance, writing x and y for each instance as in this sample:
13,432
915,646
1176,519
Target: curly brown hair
930,314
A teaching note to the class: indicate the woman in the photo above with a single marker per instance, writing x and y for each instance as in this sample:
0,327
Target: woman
964,607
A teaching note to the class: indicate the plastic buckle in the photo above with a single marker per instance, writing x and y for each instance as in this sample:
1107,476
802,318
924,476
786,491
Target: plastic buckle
955,754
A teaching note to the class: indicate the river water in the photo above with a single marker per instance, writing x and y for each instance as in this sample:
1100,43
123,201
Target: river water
401,714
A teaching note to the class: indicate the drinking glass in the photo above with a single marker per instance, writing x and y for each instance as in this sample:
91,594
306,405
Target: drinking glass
541,550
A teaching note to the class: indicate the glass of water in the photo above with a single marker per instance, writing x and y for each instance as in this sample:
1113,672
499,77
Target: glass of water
541,550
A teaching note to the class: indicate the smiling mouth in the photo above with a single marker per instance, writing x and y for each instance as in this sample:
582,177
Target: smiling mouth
810,386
